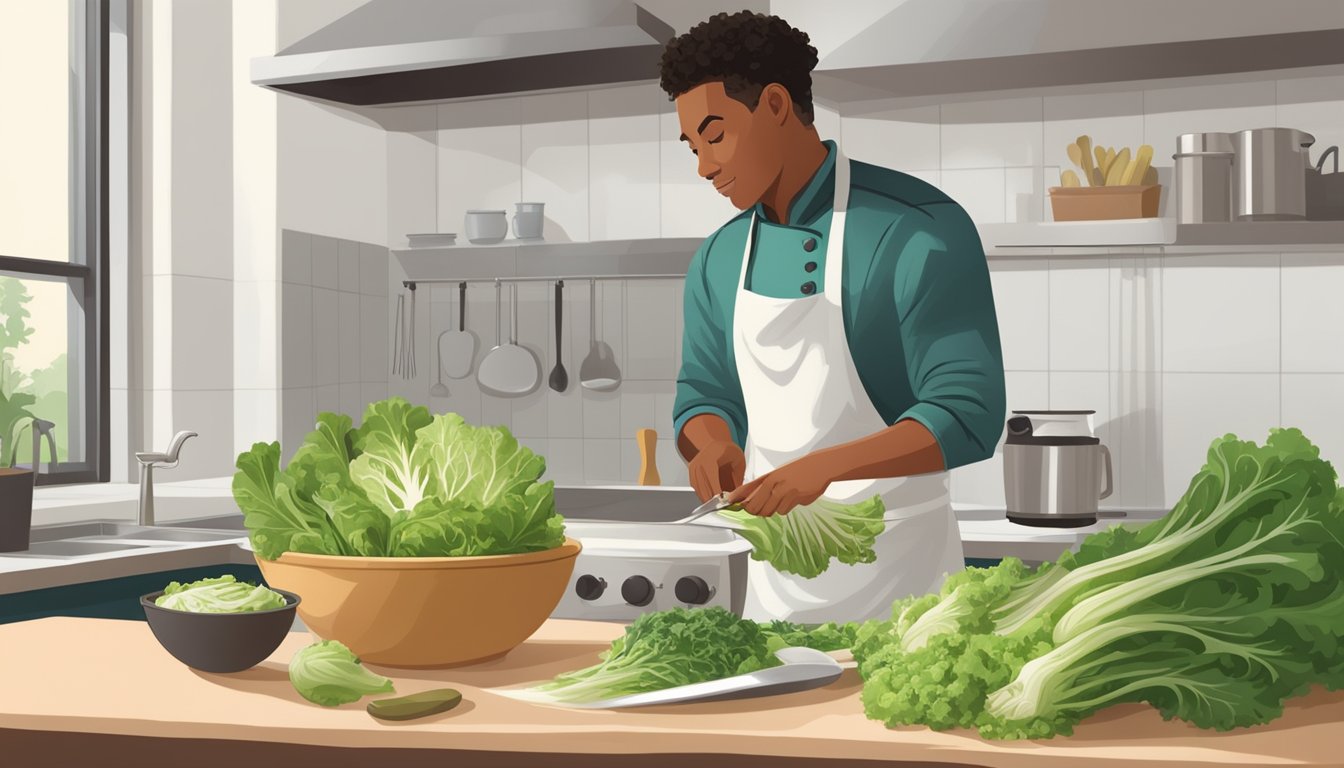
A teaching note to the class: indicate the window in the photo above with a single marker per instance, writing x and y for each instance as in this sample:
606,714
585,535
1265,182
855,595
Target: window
53,238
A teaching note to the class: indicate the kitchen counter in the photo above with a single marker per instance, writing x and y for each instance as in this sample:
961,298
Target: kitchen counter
104,693
985,532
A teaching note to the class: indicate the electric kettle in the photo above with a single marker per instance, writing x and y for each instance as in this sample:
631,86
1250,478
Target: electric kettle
1054,468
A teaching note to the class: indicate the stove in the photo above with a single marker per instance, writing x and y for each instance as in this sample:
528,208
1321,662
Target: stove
626,569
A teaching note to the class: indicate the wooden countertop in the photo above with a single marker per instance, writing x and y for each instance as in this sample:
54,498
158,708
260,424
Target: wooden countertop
95,691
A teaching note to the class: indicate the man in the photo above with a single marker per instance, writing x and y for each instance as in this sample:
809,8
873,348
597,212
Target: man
840,333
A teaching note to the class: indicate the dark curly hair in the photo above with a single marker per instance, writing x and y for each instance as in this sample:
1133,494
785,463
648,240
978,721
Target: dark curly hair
745,51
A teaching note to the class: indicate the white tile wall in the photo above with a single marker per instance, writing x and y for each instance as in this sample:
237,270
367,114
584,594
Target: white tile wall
1169,351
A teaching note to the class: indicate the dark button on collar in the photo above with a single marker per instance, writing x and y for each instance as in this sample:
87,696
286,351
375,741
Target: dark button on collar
810,244
809,288
810,266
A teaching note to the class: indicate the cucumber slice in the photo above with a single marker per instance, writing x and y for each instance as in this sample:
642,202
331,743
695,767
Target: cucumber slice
421,704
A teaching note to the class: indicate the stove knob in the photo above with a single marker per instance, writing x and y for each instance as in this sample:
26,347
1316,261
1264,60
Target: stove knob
590,587
637,590
693,590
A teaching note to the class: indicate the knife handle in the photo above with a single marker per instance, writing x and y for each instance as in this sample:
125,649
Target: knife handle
648,447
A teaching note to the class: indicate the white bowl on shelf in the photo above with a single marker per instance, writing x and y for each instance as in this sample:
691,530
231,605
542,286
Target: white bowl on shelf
485,227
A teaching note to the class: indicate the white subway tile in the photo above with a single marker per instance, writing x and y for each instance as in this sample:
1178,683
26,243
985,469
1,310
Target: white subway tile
496,411
1079,315
326,263
1313,315
1107,119
326,338
1170,112
639,402
602,463
209,413
374,339
1312,403
894,138
980,191
664,401
464,400
601,414
555,163
297,418
202,348
631,462
296,257
1024,190
256,417
296,336
348,338
479,160
1136,314
373,274
541,447
530,415
564,464
1221,313
623,162
650,330
347,266
351,400
327,399
1200,407
373,392
991,134
1021,291
1135,438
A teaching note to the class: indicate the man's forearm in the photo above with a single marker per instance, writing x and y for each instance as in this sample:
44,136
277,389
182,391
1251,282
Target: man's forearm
699,431
905,448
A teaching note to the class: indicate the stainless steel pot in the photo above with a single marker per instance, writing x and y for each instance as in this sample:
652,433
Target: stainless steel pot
1054,476
1203,177
1271,174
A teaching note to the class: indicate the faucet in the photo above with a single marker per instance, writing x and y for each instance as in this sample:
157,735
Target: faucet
148,461
41,428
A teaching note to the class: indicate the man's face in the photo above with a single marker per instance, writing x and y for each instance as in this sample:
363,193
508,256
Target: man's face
739,151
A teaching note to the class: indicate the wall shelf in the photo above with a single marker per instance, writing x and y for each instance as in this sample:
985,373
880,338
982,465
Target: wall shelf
1159,236
514,259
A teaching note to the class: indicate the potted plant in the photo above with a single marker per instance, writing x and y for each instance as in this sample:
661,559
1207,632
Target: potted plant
16,483
417,540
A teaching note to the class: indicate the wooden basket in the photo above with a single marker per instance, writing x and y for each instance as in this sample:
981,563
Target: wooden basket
1132,201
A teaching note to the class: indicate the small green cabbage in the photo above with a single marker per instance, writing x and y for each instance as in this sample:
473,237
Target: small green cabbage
327,673
223,594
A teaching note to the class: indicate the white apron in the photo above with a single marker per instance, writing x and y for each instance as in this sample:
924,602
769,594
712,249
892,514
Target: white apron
803,393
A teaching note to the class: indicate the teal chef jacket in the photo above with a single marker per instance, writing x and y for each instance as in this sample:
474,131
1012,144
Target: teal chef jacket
916,299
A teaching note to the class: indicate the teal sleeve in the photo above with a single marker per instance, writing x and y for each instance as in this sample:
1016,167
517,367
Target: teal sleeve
707,382
950,333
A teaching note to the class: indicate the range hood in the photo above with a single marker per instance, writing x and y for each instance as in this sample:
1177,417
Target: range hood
389,52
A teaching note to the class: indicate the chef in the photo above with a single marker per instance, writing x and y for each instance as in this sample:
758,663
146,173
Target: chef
840,333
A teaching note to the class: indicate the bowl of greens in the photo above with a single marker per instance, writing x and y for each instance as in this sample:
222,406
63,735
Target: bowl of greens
416,539
220,624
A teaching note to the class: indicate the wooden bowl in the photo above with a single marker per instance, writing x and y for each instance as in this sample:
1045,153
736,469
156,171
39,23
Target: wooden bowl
425,612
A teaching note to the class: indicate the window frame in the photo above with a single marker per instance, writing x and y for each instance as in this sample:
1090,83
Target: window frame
89,237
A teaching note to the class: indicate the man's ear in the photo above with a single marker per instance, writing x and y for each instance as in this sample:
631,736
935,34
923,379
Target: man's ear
776,98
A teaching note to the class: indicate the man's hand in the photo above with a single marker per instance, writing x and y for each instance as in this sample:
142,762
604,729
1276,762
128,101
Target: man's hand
776,493
717,467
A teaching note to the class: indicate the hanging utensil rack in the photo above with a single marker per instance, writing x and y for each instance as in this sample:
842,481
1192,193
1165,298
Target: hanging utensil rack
530,279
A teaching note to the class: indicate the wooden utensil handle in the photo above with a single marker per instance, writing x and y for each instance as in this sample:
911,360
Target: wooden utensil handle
648,447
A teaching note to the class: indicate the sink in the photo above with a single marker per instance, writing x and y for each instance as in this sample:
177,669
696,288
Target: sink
218,523
104,531
63,548
175,534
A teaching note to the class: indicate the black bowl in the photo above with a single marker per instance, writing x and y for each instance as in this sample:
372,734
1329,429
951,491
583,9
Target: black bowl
220,642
